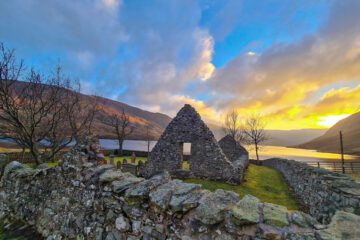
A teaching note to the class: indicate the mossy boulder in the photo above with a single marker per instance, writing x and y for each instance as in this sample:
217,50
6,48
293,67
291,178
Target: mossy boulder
246,211
25,172
275,215
120,186
213,206
344,225
110,175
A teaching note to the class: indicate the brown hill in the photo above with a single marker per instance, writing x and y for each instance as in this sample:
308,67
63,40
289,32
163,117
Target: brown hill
329,142
140,118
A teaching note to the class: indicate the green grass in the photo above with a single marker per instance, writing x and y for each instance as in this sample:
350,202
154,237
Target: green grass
355,176
128,158
262,182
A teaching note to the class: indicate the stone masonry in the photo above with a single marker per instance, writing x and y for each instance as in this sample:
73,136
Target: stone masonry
322,191
207,160
234,151
82,200
102,203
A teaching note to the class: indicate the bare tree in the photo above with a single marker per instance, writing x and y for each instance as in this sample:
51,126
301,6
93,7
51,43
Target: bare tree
121,125
80,113
33,113
30,111
255,132
234,127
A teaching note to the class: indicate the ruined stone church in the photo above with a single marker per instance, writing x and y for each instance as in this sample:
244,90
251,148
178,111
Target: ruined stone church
207,160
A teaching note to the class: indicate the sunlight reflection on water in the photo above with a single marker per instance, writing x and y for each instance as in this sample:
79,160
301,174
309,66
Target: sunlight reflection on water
265,151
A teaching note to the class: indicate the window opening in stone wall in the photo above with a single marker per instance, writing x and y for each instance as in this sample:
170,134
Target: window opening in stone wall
185,152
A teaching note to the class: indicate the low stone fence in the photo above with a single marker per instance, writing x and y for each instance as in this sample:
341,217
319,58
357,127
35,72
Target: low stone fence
101,202
322,191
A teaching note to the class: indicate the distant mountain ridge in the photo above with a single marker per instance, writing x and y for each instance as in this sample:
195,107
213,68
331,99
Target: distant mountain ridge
330,141
284,138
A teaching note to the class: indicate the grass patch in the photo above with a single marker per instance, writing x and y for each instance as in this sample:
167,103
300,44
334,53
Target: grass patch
355,176
185,164
265,183
128,158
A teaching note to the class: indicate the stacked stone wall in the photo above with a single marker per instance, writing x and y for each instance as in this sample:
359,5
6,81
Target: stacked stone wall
100,202
322,191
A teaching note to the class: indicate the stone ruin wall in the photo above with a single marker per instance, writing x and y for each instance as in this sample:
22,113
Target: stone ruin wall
100,202
322,191
207,159
236,153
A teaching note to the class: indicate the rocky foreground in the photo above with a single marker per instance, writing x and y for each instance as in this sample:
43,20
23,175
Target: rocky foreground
100,202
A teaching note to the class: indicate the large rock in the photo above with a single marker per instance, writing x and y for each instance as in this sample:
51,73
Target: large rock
343,225
246,211
212,207
143,189
177,189
12,166
110,175
25,172
275,215
120,186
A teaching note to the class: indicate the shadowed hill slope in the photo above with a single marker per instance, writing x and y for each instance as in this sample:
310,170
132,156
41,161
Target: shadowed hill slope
329,142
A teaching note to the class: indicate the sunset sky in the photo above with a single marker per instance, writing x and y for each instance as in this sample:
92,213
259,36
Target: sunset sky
295,62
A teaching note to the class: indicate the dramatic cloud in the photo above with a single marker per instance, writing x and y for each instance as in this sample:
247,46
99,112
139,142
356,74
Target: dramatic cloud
276,58
287,74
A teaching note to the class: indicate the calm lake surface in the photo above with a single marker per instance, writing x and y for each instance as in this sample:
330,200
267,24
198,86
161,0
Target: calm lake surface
265,152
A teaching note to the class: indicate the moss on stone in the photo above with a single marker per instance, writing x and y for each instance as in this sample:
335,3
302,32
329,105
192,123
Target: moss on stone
275,215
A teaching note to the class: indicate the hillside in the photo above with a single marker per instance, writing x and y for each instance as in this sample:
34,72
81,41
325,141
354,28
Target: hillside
329,142
139,118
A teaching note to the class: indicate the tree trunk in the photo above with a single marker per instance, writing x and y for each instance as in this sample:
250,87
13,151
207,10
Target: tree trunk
148,148
121,141
22,154
257,154
36,154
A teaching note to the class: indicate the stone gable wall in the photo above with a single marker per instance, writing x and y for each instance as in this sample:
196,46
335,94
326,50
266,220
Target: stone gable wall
322,191
207,159
234,151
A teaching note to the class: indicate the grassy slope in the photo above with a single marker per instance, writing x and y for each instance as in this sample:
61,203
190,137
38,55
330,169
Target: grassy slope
262,182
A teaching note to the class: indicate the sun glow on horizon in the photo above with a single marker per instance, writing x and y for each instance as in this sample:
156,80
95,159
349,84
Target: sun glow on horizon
330,120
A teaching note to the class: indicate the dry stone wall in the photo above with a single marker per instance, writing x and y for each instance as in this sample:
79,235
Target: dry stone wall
82,200
100,202
322,191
